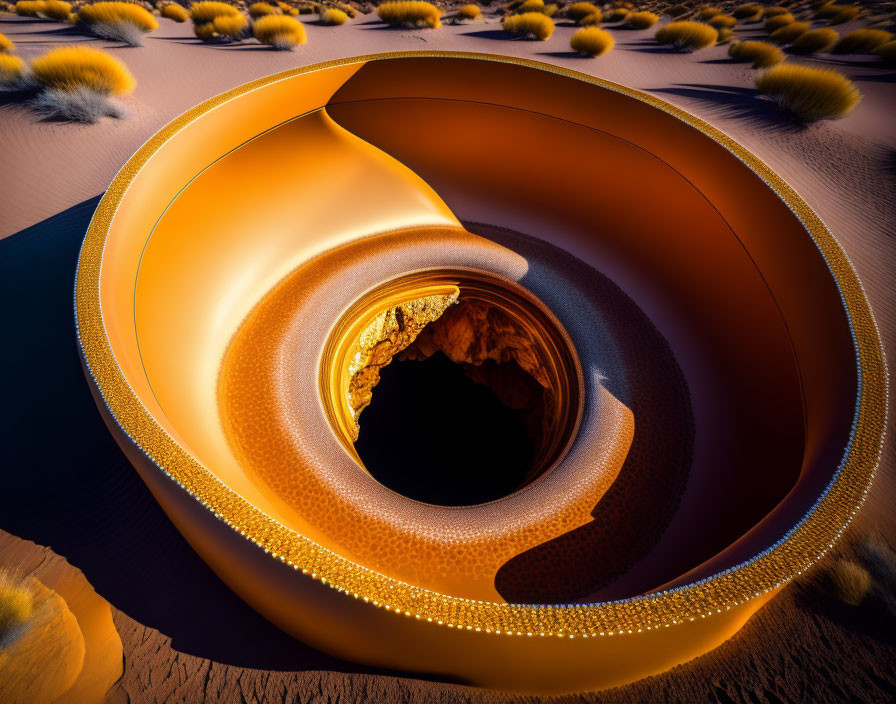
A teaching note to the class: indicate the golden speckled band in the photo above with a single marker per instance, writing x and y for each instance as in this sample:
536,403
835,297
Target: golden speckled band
794,553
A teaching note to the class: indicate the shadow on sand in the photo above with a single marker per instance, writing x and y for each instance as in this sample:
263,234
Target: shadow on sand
68,486
747,104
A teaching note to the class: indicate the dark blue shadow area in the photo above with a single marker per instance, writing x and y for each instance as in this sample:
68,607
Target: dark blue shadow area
67,485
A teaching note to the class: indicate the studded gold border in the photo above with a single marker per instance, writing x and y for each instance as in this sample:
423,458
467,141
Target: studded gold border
793,554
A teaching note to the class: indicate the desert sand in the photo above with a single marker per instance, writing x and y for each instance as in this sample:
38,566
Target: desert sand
185,636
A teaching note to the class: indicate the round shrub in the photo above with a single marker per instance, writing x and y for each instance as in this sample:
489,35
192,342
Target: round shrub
118,12
230,26
332,16
58,10
722,21
887,52
207,10
789,33
749,12
776,10
619,14
73,67
580,10
260,9
6,45
849,582
762,55
708,12
726,34
592,41
410,13
205,31
642,20
811,94
815,40
29,8
778,21
862,41
687,36
590,20
469,12
12,70
843,13
531,6
280,32
530,24
175,12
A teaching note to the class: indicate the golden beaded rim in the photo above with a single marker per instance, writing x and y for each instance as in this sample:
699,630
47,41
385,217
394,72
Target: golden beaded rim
803,545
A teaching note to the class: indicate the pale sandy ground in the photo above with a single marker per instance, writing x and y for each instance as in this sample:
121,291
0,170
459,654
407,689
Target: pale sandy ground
846,170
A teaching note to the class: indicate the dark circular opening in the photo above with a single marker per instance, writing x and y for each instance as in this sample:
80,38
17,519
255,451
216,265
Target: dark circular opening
434,434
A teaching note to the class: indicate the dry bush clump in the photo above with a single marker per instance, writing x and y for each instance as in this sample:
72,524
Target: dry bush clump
887,53
16,607
862,41
642,20
233,27
120,21
776,10
618,14
762,55
748,13
260,9
207,10
687,36
530,24
849,581
722,21
815,40
206,31
774,23
77,105
173,11
58,10
838,14
29,8
469,12
592,41
580,10
590,20
333,16
12,71
530,6
708,12
726,34
280,32
810,94
6,45
410,13
789,33
83,67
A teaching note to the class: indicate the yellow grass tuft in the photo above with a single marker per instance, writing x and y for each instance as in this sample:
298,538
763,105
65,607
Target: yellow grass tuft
725,35
776,10
722,21
333,16
470,12
530,24
619,14
642,20
16,607
207,10
175,12
687,36
748,12
850,582
58,10
29,8
816,40
708,12
73,67
260,9
862,41
580,10
530,6
762,55
12,70
592,41
812,94
410,13
842,13
789,33
6,45
280,32
778,21
590,20
206,31
887,53
230,26
118,12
